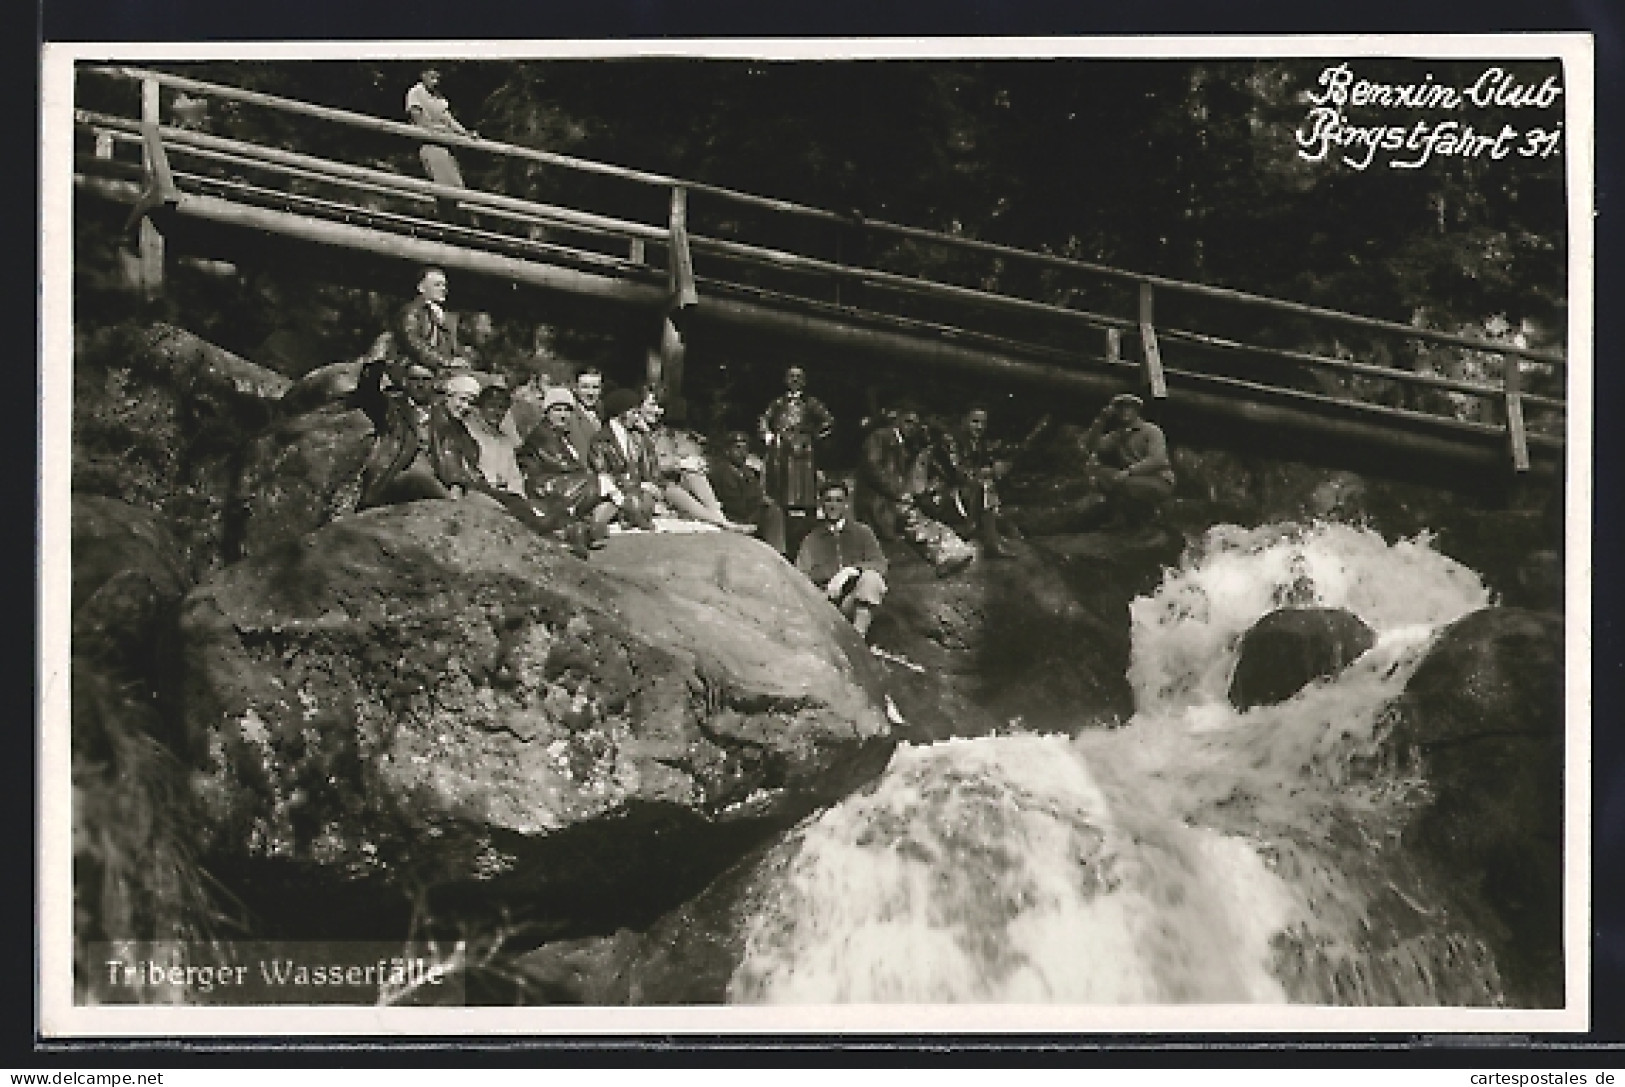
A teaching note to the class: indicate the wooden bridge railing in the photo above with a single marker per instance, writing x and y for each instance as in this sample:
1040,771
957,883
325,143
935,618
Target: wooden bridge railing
889,290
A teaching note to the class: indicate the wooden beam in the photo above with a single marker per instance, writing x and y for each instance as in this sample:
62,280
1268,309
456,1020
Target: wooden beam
679,262
149,265
398,128
1517,438
1150,353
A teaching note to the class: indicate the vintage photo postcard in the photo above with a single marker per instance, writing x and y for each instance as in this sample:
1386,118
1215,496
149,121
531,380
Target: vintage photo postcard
994,535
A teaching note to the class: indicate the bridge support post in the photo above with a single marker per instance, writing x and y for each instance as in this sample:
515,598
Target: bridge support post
666,363
144,269
1517,440
1150,353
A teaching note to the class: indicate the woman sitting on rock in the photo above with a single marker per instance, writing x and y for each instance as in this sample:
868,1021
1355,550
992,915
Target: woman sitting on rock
475,455
556,468
624,459
685,484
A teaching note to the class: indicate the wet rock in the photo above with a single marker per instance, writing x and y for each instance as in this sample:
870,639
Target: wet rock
1483,719
431,696
300,474
159,419
1011,640
1291,647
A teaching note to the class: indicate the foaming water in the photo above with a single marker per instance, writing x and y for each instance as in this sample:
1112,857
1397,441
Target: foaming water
1198,854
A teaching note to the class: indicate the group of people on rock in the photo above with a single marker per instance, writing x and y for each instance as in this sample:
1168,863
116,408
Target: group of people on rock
569,458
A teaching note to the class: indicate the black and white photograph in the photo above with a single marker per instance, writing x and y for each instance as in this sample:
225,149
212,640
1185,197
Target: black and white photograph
999,535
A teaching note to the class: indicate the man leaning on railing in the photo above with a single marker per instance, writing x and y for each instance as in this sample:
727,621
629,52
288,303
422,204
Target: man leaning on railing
429,109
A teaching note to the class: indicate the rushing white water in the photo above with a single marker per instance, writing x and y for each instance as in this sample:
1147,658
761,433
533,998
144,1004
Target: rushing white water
1197,854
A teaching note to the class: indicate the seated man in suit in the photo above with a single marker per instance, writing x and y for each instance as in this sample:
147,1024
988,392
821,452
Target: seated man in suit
842,557
428,334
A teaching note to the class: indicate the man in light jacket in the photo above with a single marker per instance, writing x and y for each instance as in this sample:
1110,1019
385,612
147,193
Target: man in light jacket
843,558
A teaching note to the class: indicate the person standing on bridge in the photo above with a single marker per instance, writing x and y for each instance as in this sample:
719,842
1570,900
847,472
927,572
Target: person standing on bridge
428,336
1128,463
792,426
429,109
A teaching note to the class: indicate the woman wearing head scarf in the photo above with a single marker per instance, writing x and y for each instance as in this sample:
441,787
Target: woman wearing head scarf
476,455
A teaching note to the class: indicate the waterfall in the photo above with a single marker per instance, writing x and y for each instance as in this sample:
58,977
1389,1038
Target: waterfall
1196,855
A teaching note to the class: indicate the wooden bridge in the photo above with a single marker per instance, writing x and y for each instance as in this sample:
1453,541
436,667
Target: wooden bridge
1223,367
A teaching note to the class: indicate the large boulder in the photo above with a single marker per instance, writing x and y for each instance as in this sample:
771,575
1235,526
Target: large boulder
159,419
1482,717
299,474
1289,648
433,695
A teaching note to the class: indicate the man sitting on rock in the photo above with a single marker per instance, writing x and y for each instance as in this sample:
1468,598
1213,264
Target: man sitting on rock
624,459
400,466
842,557
427,334
969,497
890,477
1128,464
739,487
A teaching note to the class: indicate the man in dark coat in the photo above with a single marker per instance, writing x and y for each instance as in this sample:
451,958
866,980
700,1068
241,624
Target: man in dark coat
842,557
738,486
427,334
966,460
399,468
886,470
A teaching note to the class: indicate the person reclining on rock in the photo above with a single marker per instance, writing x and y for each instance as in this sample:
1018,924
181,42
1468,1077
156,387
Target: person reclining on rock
1128,464
890,478
621,455
400,465
685,485
739,488
556,466
843,558
475,456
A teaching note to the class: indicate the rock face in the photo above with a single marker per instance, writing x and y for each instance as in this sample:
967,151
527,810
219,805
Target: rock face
1483,716
433,694
159,418
1291,647
129,575
300,474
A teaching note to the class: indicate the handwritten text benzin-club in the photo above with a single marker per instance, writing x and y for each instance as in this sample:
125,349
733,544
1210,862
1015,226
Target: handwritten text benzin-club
1327,128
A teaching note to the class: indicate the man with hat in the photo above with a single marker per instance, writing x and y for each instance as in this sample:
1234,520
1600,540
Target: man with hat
1128,463
739,487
